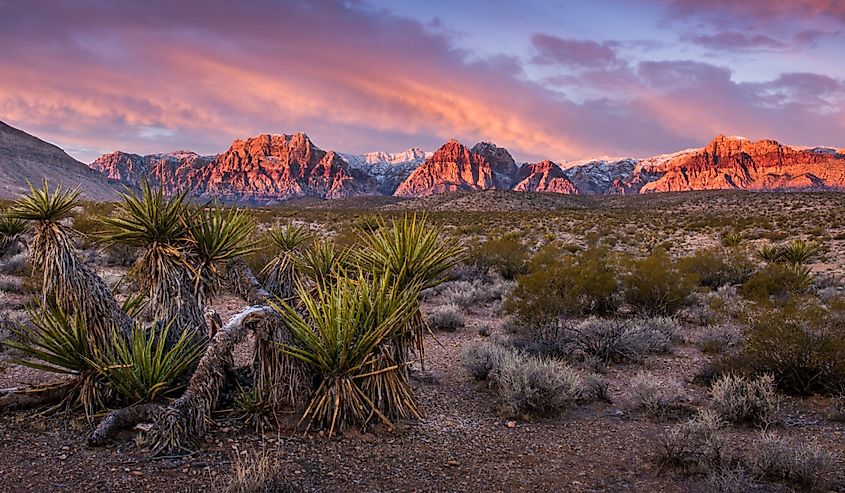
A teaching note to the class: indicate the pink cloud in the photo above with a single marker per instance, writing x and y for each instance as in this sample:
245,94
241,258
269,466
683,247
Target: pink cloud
156,76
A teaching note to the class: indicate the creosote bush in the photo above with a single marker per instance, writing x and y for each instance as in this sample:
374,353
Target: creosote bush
800,343
777,281
656,284
506,255
561,284
752,400
717,267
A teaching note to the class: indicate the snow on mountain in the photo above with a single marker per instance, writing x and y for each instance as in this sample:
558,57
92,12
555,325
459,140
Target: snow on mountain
389,169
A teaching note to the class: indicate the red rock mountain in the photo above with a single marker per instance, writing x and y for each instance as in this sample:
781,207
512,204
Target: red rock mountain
737,163
24,157
544,176
501,163
172,171
274,167
451,168
260,169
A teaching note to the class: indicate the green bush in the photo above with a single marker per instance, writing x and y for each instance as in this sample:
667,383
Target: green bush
560,284
717,267
801,344
656,285
507,255
777,280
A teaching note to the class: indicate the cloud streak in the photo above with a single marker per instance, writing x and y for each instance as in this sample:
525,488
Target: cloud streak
156,76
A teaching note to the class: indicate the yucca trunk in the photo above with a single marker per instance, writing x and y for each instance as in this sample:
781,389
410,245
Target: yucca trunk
172,298
282,380
74,287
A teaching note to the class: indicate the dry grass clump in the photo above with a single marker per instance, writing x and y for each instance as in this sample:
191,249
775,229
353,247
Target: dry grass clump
657,397
802,462
448,317
731,480
751,400
257,471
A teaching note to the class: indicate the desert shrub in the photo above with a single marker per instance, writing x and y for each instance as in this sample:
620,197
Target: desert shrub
802,462
730,480
467,294
657,397
694,446
536,386
778,281
449,317
716,267
801,344
560,284
613,340
506,255
716,339
753,400
594,387
655,285
257,471
15,264
481,358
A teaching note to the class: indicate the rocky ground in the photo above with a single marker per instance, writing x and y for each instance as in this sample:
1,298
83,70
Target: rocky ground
462,444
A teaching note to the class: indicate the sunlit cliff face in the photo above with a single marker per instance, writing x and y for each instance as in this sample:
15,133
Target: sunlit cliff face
594,78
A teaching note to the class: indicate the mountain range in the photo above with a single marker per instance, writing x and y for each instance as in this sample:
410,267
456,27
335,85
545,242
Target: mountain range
274,167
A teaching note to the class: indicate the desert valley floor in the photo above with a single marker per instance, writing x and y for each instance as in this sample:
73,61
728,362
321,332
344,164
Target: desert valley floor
467,440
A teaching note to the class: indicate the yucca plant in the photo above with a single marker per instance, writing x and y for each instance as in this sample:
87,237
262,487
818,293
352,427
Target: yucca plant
769,253
799,251
67,281
281,273
369,223
732,239
145,367
321,262
11,230
215,236
408,252
60,343
158,224
339,334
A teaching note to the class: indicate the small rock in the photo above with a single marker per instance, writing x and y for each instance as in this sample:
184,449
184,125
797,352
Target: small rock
511,424
63,457
453,463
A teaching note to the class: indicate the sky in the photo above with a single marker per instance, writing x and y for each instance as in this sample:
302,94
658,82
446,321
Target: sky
561,80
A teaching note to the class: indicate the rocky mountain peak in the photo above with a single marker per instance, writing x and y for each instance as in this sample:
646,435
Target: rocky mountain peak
452,167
